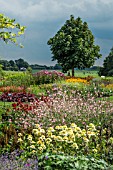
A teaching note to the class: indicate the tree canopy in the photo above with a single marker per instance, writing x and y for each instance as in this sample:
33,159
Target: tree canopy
14,65
73,45
9,30
21,63
107,69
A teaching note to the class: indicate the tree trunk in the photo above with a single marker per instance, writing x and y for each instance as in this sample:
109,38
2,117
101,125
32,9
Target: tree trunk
73,72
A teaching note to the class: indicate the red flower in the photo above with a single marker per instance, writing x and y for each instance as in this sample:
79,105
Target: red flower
14,105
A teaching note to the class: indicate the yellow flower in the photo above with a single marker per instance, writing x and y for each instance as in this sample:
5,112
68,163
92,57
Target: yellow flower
42,130
57,127
39,142
85,139
20,140
38,133
65,138
40,148
64,127
71,137
29,137
83,133
34,130
104,131
70,133
111,140
95,150
51,129
43,146
49,133
90,133
54,137
33,151
63,133
70,140
51,146
74,145
37,125
19,134
42,137
91,126
77,129
73,125
48,140
32,146
59,138
78,135
54,151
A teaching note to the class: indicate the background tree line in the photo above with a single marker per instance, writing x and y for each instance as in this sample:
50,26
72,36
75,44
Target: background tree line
15,65
21,64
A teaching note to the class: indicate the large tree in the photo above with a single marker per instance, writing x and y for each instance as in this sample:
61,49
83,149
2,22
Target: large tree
107,69
73,45
9,30
21,63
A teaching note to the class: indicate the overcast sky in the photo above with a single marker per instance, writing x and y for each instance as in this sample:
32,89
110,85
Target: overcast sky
43,18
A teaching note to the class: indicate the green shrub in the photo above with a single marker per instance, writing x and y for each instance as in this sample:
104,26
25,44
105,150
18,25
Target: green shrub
50,162
18,79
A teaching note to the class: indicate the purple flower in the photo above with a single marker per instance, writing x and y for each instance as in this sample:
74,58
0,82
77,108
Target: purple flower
46,157
28,164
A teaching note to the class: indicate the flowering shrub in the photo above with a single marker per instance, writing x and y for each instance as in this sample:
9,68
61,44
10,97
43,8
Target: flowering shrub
46,77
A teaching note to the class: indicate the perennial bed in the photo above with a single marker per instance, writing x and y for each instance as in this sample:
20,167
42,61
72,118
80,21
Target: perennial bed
67,127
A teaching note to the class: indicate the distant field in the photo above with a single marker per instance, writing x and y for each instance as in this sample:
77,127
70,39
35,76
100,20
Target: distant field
85,73
78,73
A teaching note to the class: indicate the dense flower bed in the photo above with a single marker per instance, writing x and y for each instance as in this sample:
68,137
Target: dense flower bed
45,77
17,96
71,140
56,128
62,108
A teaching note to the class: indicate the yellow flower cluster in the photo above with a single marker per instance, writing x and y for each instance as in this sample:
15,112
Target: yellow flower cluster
76,80
63,139
109,86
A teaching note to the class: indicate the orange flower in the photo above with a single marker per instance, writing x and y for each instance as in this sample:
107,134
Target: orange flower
76,80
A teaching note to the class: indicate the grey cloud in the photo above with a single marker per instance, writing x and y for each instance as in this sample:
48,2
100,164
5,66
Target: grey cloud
96,12
51,9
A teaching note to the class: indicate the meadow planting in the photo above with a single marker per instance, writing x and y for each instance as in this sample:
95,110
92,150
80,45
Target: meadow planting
49,121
